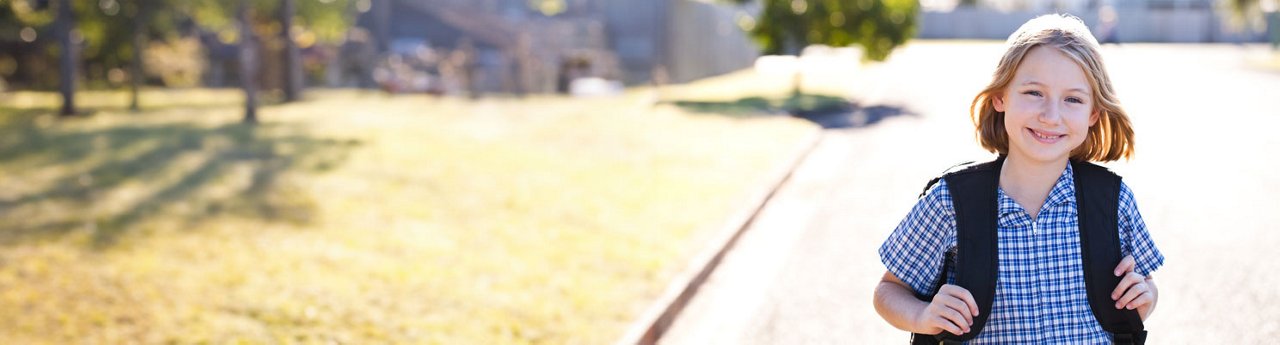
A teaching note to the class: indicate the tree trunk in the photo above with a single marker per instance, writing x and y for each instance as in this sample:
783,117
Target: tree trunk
68,59
135,66
292,60
248,65
797,79
796,48
382,24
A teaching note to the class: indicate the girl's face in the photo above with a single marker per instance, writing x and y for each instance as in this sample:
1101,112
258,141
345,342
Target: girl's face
1048,107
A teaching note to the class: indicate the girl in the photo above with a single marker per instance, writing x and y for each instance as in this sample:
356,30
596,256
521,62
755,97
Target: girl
1049,106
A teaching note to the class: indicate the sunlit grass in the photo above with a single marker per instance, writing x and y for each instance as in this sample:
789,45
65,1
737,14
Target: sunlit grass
115,100
355,217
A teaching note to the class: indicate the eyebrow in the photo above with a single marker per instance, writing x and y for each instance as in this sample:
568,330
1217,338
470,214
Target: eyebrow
1033,82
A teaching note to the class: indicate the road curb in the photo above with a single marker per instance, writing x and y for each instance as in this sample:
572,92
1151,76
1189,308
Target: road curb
656,319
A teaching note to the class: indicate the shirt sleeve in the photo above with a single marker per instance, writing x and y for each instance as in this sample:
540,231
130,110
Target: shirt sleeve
1134,238
915,251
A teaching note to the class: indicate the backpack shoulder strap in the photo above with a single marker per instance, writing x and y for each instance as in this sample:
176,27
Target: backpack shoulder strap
952,169
973,194
1097,200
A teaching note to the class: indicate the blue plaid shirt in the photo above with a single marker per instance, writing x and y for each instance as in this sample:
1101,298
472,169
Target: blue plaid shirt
1040,294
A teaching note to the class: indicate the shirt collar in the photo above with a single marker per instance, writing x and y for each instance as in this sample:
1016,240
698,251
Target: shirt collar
1063,192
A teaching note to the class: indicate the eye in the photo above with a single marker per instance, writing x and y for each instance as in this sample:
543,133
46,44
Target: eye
1075,100
1032,92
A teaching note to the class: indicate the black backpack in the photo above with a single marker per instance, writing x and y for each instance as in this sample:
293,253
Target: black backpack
973,194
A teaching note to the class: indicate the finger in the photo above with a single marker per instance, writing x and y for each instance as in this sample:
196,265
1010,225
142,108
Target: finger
1125,284
1129,296
959,307
947,325
1126,265
966,297
954,317
1143,299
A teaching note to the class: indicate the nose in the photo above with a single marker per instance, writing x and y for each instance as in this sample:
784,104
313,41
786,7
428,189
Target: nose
1050,113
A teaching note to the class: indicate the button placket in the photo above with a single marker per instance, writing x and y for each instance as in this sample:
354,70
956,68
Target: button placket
1036,279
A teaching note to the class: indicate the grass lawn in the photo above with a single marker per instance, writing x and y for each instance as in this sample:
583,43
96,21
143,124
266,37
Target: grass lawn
355,217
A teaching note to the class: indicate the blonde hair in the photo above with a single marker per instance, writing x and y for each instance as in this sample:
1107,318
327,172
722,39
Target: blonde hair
1111,138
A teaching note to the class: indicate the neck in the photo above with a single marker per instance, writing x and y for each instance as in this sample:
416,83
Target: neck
1029,182
1022,173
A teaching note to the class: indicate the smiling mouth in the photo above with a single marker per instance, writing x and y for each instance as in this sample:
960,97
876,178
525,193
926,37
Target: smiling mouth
1046,137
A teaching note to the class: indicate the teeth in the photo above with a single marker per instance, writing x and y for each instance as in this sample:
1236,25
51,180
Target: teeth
1042,136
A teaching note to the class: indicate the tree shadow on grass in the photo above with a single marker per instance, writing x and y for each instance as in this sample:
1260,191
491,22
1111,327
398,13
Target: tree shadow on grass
830,112
106,181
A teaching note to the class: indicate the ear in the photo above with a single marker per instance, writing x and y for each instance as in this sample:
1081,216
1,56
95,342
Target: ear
1093,117
997,101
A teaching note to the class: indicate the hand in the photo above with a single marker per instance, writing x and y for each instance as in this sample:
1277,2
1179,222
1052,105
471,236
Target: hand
951,310
1134,291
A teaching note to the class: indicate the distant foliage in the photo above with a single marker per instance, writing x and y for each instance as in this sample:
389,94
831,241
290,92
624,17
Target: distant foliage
1246,14
878,26
105,27
177,62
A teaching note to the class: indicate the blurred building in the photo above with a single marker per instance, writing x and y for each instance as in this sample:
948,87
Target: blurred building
1196,21
514,46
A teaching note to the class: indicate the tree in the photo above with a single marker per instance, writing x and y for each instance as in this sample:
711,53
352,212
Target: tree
103,41
68,57
248,64
141,11
1245,12
292,61
103,38
1249,14
322,21
15,18
318,21
878,26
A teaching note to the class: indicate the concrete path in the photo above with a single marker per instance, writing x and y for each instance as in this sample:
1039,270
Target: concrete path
1206,175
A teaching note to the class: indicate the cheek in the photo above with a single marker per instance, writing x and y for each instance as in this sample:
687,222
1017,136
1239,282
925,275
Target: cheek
1078,120
1022,108
1011,124
1017,114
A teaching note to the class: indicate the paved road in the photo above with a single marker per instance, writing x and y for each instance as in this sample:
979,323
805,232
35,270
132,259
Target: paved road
1206,175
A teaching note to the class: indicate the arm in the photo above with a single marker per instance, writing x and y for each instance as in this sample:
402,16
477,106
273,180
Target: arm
1136,289
951,310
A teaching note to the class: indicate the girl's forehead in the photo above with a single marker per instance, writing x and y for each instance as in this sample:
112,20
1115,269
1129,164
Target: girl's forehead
1052,67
